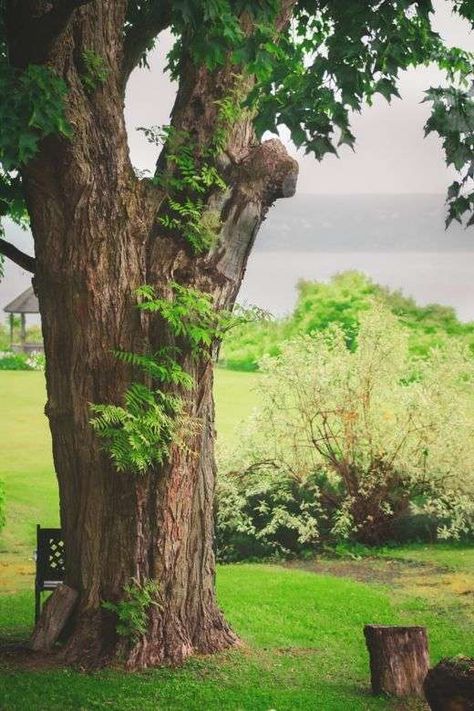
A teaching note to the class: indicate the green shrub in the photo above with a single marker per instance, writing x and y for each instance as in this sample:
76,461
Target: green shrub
267,516
358,442
21,361
13,361
342,301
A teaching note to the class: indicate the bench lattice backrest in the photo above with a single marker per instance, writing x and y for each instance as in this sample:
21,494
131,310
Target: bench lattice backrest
49,555
49,562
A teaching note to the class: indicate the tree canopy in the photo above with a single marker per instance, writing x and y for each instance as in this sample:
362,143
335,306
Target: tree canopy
307,66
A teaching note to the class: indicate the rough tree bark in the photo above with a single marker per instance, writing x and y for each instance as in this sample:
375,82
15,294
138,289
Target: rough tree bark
96,240
399,659
56,612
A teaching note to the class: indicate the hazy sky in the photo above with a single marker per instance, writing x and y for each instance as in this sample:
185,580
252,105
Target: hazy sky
391,154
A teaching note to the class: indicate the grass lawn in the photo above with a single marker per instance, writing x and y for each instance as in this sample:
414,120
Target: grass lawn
26,465
300,624
304,649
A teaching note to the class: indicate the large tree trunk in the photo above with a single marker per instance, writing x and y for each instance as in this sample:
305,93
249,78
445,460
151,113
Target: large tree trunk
96,241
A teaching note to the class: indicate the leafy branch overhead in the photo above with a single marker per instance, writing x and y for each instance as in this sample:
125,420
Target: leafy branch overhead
308,74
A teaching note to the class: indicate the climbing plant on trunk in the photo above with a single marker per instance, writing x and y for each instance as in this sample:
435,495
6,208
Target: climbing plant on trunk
132,273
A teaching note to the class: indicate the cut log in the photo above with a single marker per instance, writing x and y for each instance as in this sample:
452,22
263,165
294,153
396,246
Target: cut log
55,614
449,686
399,659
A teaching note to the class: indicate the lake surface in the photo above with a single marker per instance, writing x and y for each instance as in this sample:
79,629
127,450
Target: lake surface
398,240
440,277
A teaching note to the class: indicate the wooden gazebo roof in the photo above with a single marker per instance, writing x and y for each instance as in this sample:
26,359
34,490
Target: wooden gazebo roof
25,303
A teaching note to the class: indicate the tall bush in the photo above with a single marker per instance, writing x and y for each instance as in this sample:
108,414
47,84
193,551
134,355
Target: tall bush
366,434
343,301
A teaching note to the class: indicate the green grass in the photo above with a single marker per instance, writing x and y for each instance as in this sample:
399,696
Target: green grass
303,646
454,556
304,650
25,459
26,465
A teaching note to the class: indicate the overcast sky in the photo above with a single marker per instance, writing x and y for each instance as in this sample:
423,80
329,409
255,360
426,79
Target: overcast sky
391,154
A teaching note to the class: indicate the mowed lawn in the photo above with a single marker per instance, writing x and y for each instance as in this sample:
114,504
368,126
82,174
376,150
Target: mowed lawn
26,465
301,629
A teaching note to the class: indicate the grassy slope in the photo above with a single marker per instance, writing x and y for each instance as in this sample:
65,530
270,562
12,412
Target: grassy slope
303,649
303,632
25,450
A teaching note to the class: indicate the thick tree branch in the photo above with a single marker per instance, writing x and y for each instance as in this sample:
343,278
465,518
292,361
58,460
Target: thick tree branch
31,36
141,32
16,255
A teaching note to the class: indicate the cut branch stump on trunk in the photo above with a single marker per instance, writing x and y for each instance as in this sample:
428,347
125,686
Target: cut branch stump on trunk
449,686
55,614
399,659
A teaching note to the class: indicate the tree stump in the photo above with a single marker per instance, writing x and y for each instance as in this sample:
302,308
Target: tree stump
399,659
449,686
55,614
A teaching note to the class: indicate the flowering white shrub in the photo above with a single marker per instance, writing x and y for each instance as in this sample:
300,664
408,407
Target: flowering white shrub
21,361
36,361
373,434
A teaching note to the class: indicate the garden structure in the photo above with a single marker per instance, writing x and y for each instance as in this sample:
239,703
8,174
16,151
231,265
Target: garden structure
25,303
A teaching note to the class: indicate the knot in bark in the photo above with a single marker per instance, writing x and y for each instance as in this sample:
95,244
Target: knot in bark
272,171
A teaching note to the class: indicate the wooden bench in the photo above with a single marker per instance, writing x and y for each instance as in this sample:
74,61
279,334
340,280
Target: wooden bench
49,563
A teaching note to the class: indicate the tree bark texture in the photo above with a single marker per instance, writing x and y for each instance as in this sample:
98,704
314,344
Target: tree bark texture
399,659
97,239
56,612
449,686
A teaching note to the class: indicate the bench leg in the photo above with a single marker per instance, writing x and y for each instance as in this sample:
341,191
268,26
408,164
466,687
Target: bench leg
37,604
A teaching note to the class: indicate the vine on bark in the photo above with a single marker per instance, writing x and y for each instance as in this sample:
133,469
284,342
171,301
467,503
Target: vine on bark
95,71
139,434
132,611
190,175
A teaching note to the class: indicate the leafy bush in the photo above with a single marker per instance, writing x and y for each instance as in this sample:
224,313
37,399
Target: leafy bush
21,361
13,361
342,301
266,516
349,440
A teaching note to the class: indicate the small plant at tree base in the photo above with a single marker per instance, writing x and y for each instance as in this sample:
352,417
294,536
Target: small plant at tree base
132,611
